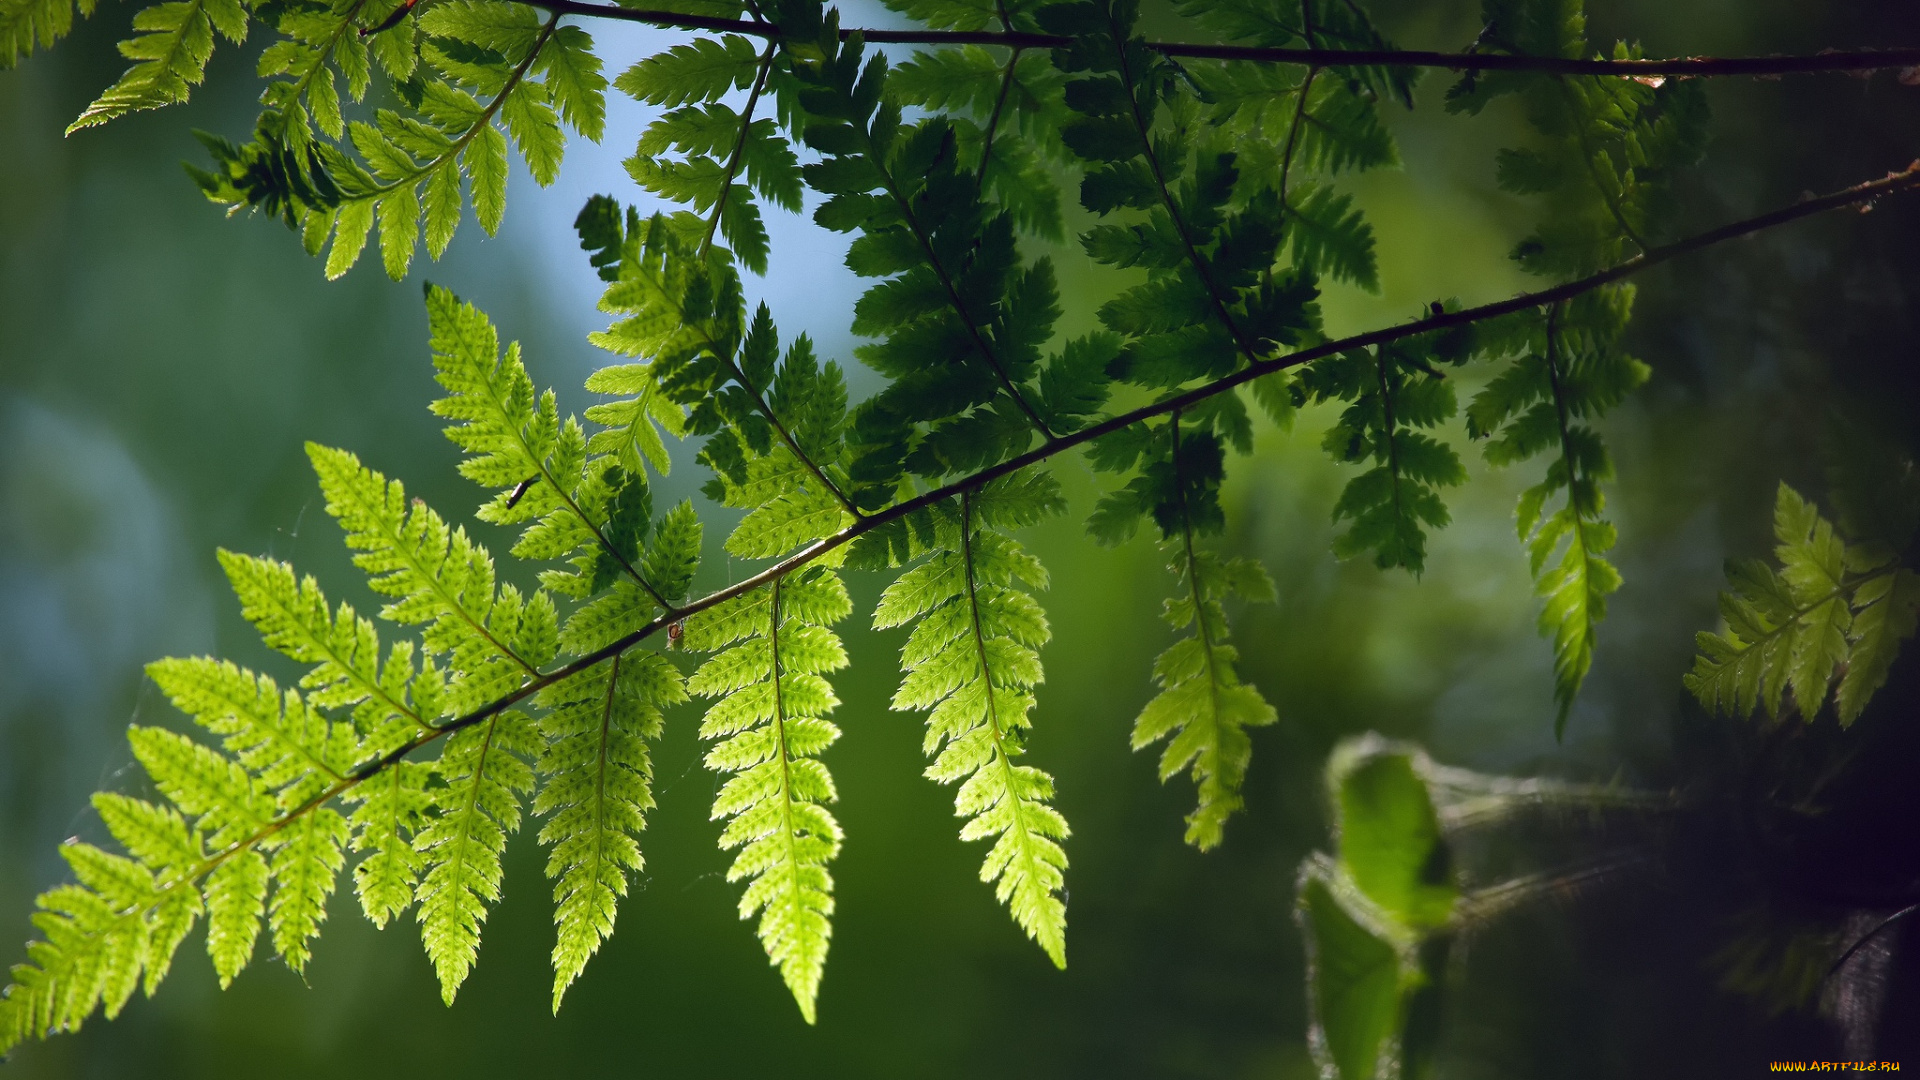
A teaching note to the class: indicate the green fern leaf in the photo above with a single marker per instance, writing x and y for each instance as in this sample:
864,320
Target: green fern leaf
1202,703
596,793
171,53
284,743
305,870
771,724
1832,606
438,577
27,24
574,81
292,616
484,773
700,70
972,660
1886,611
236,900
392,809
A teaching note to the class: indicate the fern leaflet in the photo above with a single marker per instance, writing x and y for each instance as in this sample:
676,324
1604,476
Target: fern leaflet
972,660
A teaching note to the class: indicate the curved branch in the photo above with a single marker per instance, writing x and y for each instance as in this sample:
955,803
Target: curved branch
1677,67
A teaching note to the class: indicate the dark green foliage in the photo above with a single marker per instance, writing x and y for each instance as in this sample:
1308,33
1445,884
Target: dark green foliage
962,321
1609,148
1571,370
1394,391
468,76
1833,612
29,24
1203,709
1213,203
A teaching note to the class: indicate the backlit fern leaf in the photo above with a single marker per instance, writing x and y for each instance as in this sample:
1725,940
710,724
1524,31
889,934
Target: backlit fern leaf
478,73
29,24
439,578
972,660
770,725
287,747
596,792
293,617
484,775
1202,703
1798,628
1570,371
170,56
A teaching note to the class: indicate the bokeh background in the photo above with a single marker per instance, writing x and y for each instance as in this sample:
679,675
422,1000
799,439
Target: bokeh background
160,369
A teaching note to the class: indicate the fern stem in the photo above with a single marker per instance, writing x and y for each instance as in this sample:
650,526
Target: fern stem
739,148
1381,358
1893,182
1677,67
1293,135
600,770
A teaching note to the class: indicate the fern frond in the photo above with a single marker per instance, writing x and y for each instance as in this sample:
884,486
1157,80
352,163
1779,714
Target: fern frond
596,792
439,578
972,660
170,55
589,510
1331,237
703,69
1202,703
284,743
770,723
1395,391
1570,370
484,775
392,808
1608,149
29,24
483,72
960,321
1830,606
293,617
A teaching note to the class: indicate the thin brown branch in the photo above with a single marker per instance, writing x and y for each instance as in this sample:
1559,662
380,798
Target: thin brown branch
1676,67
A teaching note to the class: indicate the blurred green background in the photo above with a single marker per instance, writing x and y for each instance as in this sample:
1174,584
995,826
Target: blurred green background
160,369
